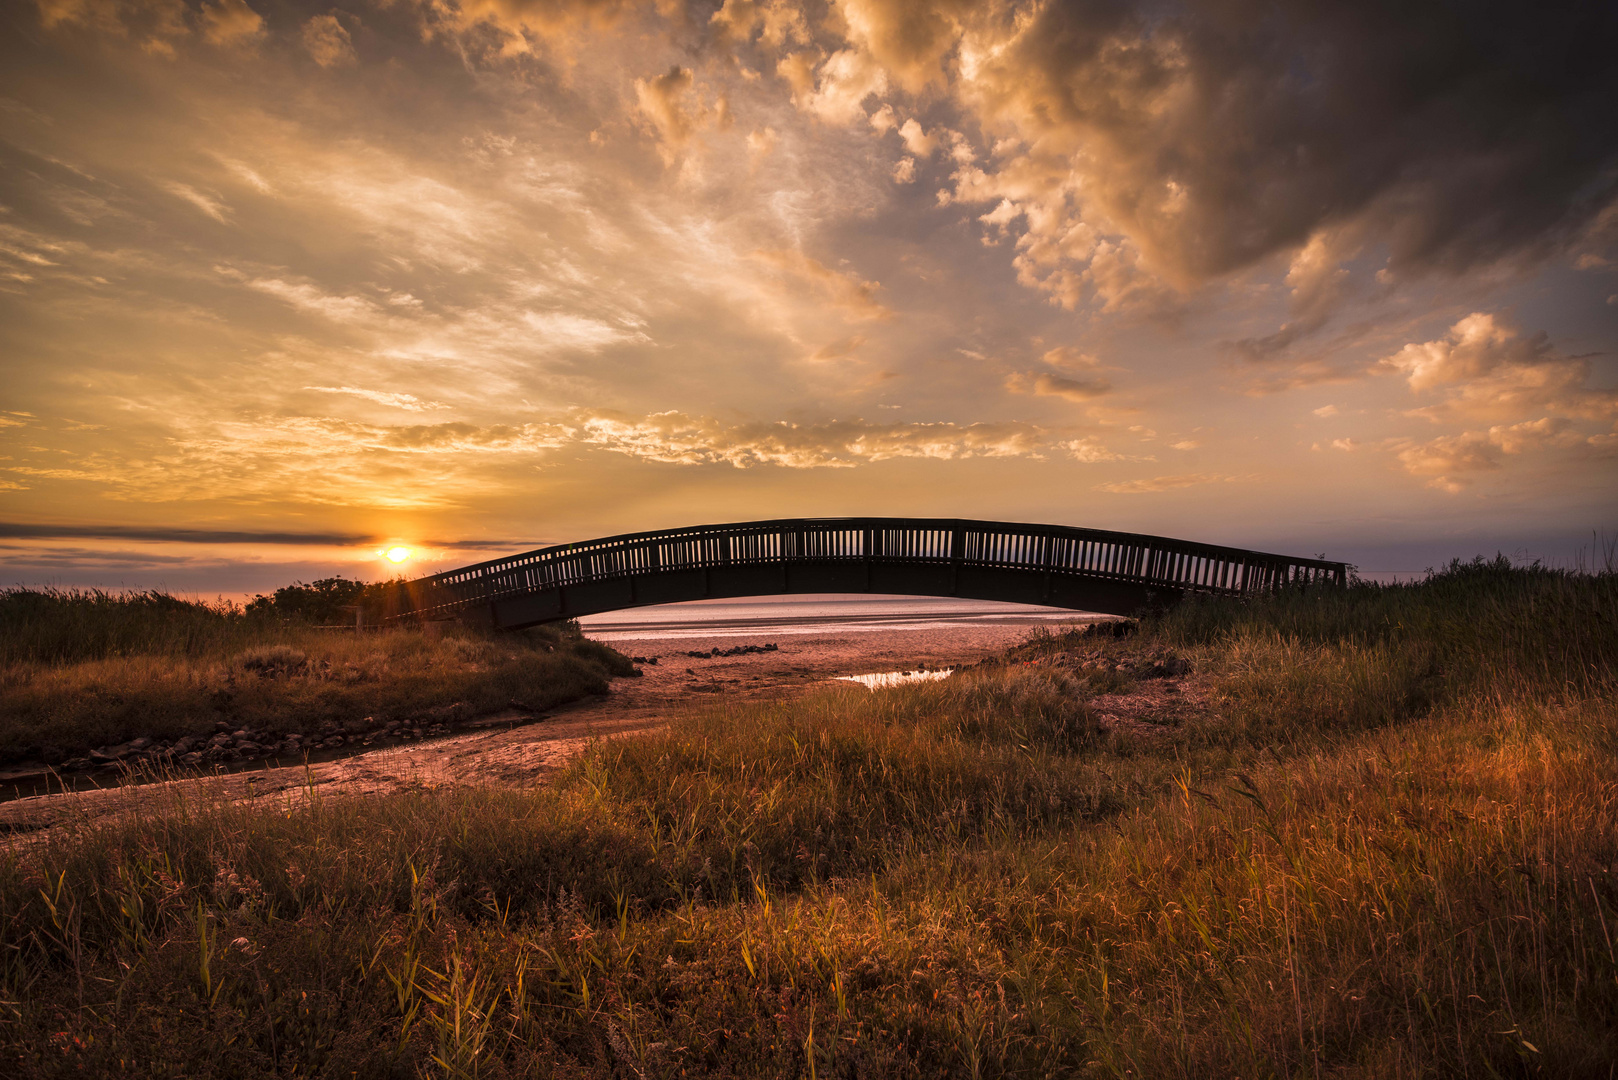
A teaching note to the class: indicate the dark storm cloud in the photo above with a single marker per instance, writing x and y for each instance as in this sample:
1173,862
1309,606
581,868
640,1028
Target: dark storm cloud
1212,135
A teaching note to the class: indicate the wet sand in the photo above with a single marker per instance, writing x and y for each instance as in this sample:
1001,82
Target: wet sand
501,751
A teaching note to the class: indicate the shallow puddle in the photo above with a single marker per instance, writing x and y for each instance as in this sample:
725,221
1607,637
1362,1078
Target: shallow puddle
895,678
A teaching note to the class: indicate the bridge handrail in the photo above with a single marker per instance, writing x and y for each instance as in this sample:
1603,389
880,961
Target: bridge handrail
1062,549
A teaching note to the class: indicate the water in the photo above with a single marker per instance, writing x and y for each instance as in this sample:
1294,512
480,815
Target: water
830,613
896,678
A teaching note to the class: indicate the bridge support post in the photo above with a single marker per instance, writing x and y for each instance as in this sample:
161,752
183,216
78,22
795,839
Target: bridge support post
957,556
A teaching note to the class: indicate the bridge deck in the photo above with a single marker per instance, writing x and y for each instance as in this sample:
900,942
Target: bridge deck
1084,569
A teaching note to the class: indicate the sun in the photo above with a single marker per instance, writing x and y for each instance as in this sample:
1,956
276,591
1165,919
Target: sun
397,554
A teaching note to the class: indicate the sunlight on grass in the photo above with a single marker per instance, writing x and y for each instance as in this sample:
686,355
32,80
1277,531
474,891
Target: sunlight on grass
1389,848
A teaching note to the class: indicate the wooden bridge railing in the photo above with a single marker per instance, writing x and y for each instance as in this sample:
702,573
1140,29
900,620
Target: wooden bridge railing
1151,561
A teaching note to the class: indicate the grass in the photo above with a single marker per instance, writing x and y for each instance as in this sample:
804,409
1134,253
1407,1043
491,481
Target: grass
1391,849
85,669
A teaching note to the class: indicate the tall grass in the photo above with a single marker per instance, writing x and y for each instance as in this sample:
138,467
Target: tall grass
86,669
1495,627
1371,859
58,626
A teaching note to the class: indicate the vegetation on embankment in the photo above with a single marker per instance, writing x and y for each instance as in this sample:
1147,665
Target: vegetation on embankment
80,670
1389,848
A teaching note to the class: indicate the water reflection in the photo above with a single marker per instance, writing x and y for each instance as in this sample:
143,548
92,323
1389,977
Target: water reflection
896,678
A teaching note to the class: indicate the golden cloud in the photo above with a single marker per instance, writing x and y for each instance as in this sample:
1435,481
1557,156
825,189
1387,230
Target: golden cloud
1164,483
676,438
851,294
328,42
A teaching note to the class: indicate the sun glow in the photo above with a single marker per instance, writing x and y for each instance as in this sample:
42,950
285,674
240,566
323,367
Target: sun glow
397,554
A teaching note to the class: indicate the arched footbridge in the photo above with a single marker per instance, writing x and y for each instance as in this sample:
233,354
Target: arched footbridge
1084,569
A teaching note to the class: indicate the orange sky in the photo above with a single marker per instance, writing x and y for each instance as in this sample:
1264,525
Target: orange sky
283,285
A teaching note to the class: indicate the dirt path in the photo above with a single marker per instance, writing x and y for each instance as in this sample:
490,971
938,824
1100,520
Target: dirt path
505,753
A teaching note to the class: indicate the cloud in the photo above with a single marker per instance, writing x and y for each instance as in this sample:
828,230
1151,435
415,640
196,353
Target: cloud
1485,369
328,42
839,350
909,39
1448,458
675,438
408,402
761,142
519,24
1484,372
1067,358
775,23
916,140
564,330
1089,450
229,22
311,298
844,81
855,296
1066,386
179,536
460,436
1045,384
1163,483
663,102
1474,347
1182,144
209,205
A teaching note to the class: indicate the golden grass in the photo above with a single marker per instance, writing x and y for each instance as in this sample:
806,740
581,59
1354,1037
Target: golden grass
1391,856
162,668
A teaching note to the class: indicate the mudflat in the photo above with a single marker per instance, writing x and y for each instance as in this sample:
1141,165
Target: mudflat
511,748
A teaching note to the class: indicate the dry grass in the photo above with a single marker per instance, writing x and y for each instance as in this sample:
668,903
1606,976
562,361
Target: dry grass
1385,855
84,670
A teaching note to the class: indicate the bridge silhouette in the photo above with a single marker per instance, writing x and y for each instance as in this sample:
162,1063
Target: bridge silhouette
1059,566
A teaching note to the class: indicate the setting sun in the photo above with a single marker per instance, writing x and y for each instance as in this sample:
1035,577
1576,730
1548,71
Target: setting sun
397,554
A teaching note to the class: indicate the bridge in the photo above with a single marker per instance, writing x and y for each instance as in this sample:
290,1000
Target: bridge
1084,569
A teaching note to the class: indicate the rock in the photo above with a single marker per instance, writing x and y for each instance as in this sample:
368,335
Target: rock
193,758
249,749
78,764
140,743
449,714
184,744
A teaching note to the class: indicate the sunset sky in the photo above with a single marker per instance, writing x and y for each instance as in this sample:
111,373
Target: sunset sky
285,285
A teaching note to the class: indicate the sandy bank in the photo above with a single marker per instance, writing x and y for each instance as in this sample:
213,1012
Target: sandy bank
505,753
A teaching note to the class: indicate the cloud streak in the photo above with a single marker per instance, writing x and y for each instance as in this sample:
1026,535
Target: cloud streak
16,531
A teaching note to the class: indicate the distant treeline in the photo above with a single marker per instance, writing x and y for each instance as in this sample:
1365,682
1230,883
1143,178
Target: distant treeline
329,600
